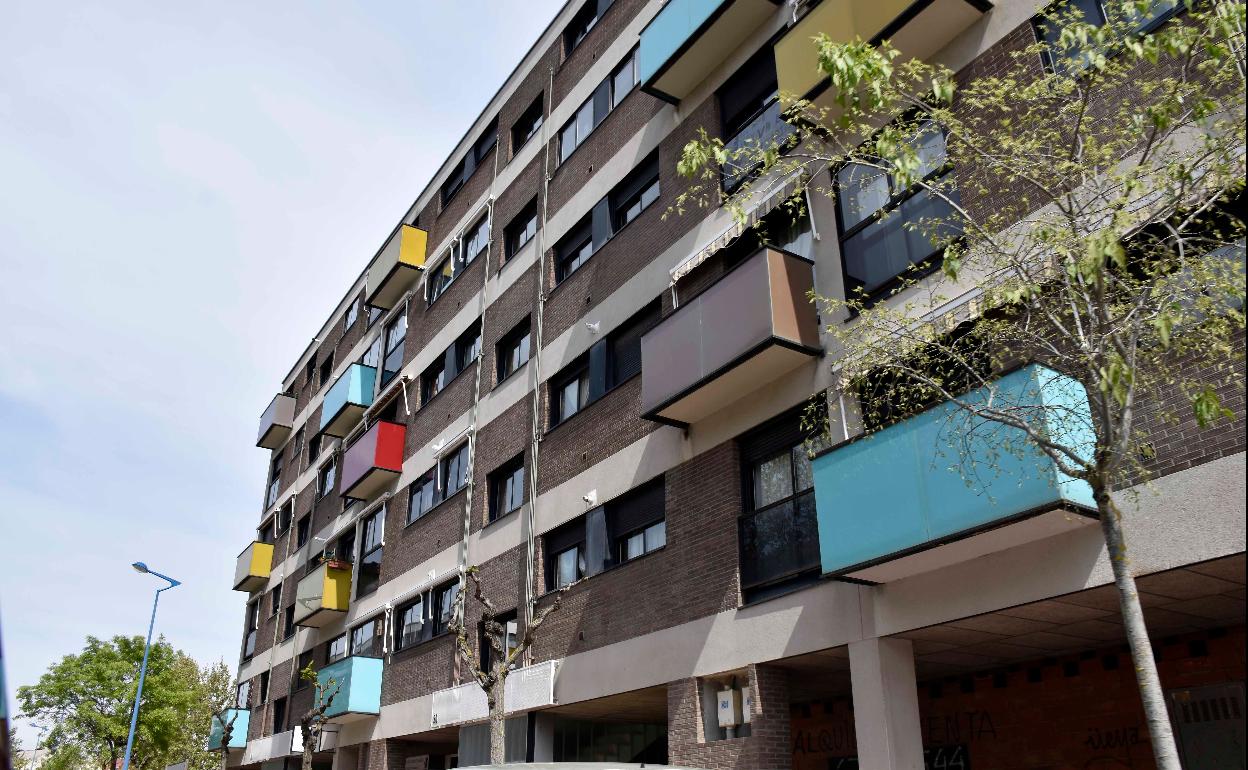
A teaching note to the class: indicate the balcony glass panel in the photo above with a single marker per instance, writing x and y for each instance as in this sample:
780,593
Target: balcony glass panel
323,594
276,422
251,571
359,680
397,266
942,475
347,399
238,720
374,460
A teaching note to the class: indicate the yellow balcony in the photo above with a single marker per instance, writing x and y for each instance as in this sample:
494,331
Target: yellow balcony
323,594
251,573
918,30
396,267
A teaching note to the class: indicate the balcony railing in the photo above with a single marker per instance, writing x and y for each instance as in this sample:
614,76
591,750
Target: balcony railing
396,267
346,400
744,332
916,29
373,461
238,720
323,595
766,129
945,487
276,422
358,682
688,39
251,571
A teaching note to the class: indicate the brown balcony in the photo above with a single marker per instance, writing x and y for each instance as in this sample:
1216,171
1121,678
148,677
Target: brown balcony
744,332
276,422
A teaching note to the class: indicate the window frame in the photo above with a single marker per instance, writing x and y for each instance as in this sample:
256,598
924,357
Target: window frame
352,313
303,530
515,237
529,124
330,656
461,456
632,191
368,548
577,371
606,97
1144,27
515,345
428,479
376,639
326,478
574,250
501,479
400,639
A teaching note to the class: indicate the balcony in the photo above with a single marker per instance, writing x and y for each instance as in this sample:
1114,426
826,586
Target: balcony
526,689
346,400
251,572
276,422
323,595
917,30
359,681
744,332
373,461
238,720
396,267
898,503
688,39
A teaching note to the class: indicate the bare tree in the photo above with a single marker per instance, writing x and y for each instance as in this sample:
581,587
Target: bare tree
502,659
312,721
225,713
1088,218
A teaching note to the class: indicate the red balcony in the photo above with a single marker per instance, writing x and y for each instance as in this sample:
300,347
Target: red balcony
374,460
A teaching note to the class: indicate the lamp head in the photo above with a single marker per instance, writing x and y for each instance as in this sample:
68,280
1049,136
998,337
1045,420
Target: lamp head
139,567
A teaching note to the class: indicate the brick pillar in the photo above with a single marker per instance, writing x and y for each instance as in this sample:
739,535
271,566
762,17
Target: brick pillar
769,744
886,705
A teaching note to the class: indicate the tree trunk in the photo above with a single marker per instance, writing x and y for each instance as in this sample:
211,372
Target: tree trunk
310,736
498,724
1165,752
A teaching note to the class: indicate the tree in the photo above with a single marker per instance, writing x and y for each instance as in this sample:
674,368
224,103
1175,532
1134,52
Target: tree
219,703
1091,224
503,658
313,720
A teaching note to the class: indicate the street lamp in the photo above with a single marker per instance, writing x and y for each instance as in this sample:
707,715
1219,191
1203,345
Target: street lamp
134,716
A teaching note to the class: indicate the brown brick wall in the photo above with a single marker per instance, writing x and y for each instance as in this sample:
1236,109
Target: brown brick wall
536,82
408,545
498,442
577,62
766,748
418,670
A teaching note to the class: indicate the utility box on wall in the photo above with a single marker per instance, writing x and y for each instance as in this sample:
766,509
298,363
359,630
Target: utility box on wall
729,708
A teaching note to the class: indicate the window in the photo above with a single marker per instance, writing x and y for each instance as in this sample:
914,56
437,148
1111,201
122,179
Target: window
309,373
288,622
370,553
337,649
458,357
513,350
298,448
275,479
242,696
455,471
609,363
747,93
253,623
305,660
443,274
470,244
264,686
778,532
635,194
353,312
463,172
605,98
573,250
342,549
511,631
581,24
302,530
527,125
327,370
279,715
275,600
411,625
267,532
285,517
476,239
396,333
314,448
521,230
422,496
325,479
366,638
445,607
570,392
630,526
1049,30
507,488
877,250
374,315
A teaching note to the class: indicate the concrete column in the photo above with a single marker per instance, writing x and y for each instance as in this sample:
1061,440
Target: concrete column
886,705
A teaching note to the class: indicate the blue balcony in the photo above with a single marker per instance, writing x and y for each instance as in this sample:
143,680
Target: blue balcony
358,683
689,39
346,400
943,487
238,720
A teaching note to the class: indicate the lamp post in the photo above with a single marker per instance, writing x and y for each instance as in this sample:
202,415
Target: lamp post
134,715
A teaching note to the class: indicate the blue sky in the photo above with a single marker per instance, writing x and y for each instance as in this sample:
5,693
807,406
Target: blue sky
186,191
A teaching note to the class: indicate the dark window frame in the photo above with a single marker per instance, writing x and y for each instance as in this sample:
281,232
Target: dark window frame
528,124
514,349
520,231
326,478
458,459
303,530
1147,25
469,164
597,371
459,356
368,547
373,646
279,715
500,481
606,97
427,480
633,191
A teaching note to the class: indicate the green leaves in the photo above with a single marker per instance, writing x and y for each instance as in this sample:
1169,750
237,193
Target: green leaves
860,73
1207,407
1115,380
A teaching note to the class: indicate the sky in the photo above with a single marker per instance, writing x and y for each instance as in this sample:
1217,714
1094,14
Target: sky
186,192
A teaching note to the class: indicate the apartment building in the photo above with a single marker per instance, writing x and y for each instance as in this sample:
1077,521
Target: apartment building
541,374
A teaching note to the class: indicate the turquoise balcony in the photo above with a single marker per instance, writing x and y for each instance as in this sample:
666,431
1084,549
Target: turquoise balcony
238,729
943,487
689,39
358,680
346,400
